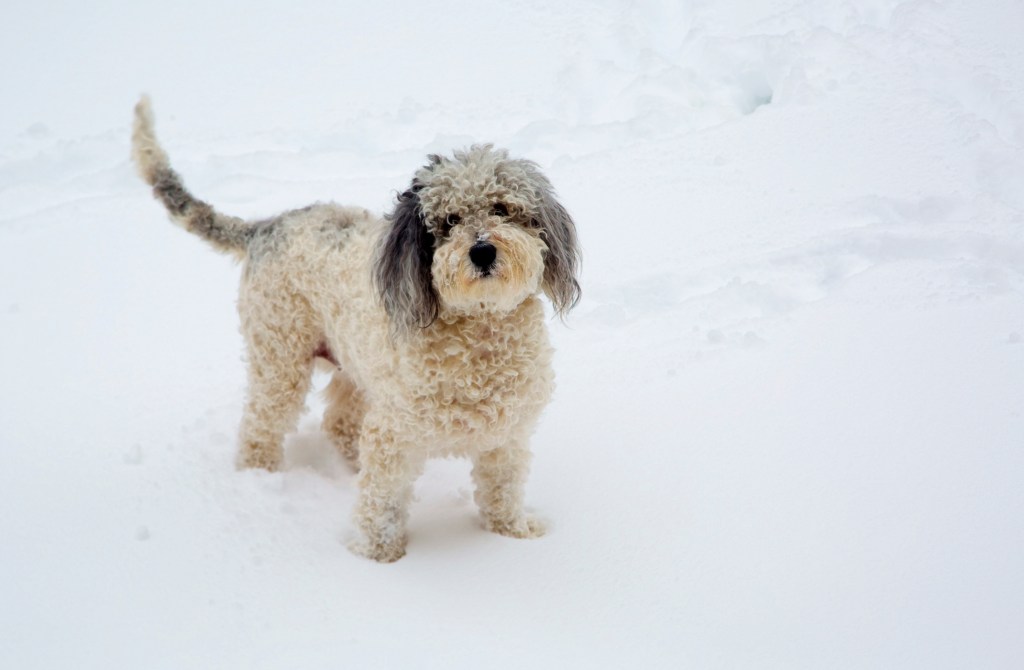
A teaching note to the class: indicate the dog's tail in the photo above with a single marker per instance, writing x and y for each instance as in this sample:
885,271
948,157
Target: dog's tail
226,233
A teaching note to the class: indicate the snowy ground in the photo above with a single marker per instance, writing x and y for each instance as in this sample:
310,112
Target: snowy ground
788,431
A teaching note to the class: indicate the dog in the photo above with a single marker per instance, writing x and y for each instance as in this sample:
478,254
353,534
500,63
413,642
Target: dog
429,316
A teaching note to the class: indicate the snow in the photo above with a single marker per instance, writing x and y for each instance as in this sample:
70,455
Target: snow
788,430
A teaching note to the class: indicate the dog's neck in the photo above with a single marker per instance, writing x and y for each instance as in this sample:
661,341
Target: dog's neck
482,325
484,315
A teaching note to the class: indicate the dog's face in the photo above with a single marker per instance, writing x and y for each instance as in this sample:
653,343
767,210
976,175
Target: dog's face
478,232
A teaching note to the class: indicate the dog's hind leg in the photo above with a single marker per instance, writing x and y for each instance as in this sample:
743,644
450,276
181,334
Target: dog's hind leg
343,417
280,346
277,393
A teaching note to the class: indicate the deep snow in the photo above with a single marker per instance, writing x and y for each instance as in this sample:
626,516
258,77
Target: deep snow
788,430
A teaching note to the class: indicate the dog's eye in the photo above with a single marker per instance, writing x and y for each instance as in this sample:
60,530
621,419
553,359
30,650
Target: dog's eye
449,222
499,209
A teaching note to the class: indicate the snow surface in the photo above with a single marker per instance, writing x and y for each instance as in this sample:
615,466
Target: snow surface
788,431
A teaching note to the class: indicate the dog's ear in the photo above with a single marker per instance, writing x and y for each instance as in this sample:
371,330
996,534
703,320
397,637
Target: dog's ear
402,270
561,264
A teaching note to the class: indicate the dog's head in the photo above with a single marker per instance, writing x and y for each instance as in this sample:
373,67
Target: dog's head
478,232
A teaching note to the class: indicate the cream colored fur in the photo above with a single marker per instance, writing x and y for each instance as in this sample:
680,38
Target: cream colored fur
471,383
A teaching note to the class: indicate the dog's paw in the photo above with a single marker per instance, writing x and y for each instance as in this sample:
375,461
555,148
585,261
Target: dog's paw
382,553
524,527
259,457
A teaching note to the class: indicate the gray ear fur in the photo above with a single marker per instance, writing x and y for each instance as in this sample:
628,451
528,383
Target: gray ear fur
561,264
402,270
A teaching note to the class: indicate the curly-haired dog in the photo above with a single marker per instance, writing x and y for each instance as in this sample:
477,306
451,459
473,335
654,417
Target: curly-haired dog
430,317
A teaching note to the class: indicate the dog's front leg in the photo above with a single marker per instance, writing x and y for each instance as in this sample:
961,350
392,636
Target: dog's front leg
388,470
500,477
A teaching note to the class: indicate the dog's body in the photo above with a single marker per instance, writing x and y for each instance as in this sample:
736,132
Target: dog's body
430,317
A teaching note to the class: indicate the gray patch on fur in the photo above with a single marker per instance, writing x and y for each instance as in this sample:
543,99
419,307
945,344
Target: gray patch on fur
167,186
268,236
561,263
557,229
227,233
263,238
336,229
402,271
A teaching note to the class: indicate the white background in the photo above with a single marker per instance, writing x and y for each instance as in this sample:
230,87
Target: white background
788,431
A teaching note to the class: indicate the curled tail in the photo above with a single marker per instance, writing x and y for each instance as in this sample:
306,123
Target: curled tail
226,233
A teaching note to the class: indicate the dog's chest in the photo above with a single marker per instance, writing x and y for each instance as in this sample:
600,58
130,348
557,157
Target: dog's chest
474,365
482,378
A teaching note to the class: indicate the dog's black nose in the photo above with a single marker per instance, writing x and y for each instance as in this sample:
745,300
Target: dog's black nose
483,254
